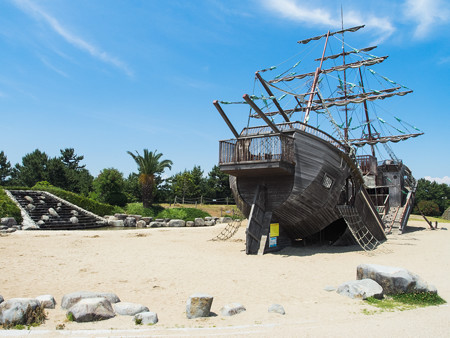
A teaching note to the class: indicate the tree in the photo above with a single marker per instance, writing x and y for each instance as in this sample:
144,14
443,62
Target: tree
432,191
132,188
109,186
149,166
218,185
32,170
183,184
70,159
5,168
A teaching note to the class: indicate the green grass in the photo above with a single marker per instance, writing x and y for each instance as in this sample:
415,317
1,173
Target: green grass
430,218
402,302
186,214
138,209
8,208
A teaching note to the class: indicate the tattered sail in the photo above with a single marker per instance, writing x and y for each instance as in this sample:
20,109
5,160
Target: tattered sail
353,29
382,139
335,56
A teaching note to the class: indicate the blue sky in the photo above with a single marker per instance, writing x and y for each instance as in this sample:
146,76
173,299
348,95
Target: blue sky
108,76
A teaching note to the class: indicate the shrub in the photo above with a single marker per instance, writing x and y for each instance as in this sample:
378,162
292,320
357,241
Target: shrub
428,208
186,214
138,209
8,208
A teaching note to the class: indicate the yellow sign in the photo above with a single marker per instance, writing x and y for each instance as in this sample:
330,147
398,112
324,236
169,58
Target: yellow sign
274,230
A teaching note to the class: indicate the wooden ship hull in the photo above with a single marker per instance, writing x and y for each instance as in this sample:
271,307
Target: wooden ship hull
301,180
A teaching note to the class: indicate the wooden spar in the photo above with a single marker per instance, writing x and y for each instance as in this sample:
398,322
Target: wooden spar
345,78
316,79
260,113
367,114
271,94
224,116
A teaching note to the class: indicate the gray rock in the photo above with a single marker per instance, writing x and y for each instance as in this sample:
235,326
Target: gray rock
198,305
329,288
41,202
41,222
1,299
209,223
208,218
129,309
361,289
115,223
8,231
53,212
45,218
159,220
199,222
29,199
277,308
41,197
167,220
91,309
225,220
177,223
141,224
47,301
3,227
30,207
8,221
146,318
147,219
71,299
73,220
136,217
13,311
59,204
232,309
121,216
190,223
129,222
74,212
156,224
393,279
58,209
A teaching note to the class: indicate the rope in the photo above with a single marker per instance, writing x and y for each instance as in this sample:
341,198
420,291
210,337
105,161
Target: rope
229,231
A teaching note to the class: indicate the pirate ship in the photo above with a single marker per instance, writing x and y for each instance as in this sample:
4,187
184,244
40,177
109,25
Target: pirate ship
323,175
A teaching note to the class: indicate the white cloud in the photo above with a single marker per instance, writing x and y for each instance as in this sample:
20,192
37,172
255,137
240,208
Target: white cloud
32,9
49,65
440,180
297,10
427,14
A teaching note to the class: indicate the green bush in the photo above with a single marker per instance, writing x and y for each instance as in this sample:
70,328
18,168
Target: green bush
138,209
8,208
95,207
186,214
428,208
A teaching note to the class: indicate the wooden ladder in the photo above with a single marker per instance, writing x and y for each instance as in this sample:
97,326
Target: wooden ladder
259,223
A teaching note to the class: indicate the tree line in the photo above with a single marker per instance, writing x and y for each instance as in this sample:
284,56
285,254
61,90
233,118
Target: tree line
146,185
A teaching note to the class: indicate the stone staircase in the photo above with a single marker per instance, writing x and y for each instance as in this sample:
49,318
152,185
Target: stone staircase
50,212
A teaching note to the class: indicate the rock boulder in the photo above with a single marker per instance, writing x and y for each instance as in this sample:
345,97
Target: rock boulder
91,309
361,289
198,305
129,309
13,311
146,318
71,299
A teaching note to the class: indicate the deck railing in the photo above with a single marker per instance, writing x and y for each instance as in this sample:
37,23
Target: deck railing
260,148
292,126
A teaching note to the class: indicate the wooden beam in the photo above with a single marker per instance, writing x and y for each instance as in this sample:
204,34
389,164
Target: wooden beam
266,87
225,117
261,114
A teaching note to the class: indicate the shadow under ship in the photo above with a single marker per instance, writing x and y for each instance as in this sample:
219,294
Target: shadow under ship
296,182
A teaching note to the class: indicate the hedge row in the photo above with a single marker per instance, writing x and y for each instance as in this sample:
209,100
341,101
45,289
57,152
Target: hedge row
8,208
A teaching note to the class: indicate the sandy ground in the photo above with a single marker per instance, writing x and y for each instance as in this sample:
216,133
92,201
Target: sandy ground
161,268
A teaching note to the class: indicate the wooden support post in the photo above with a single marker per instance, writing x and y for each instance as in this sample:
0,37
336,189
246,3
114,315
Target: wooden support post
224,116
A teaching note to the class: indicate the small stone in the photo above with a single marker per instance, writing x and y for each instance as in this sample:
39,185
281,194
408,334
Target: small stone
232,309
8,221
121,216
91,309
29,199
198,305
73,220
41,222
225,220
47,301
361,289
277,308
45,218
146,318
74,212
53,212
141,224
190,223
147,219
41,202
30,207
209,223
129,222
156,224
177,223
329,288
59,204
115,222
129,309
199,222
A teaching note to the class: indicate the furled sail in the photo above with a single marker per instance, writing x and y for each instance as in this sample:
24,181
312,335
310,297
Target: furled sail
335,56
382,139
352,29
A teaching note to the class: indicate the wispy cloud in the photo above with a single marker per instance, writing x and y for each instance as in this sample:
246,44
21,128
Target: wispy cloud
50,66
297,10
440,180
427,14
32,9
443,60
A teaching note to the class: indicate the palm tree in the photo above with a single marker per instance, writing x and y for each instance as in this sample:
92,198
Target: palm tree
149,166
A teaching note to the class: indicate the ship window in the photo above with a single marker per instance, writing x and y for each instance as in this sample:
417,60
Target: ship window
327,181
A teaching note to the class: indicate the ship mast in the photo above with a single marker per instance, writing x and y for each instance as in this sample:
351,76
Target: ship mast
345,78
367,114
